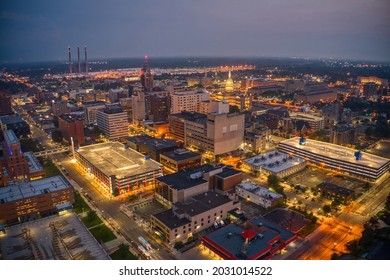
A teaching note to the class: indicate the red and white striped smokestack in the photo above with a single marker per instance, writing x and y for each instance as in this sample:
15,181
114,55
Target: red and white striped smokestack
86,61
78,59
70,60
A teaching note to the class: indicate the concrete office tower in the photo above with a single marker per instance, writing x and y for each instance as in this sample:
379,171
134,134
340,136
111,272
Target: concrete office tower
112,121
70,60
188,100
86,60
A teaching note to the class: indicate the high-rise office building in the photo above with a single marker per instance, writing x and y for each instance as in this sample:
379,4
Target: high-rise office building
342,135
90,109
113,122
5,104
15,165
188,100
60,108
72,126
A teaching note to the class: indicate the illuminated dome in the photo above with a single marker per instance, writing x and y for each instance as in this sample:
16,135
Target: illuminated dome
229,83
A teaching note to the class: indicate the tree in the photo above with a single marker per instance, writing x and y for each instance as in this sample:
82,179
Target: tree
369,131
326,209
91,215
56,135
273,181
387,204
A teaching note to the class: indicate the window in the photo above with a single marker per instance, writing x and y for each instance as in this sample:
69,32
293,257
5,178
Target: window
221,211
184,231
175,229
201,224
215,214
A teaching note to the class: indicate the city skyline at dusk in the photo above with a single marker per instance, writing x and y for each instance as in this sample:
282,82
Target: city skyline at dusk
42,30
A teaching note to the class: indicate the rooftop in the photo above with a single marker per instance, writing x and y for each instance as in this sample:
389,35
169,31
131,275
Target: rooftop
33,163
258,190
181,154
335,189
263,223
169,218
340,153
230,240
10,119
202,203
274,161
188,178
198,204
18,190
315,92
113,158
227,172
10,137
149,141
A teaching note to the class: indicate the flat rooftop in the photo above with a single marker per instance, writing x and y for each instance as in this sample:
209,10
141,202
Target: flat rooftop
231,241
18,190
334,151
181,154
274,161
10,137
227,172
169,219
155,143
202,203
259,190
335,189
10,119
33,163
114,159
188,178
196,205
263,223
316,92
73,240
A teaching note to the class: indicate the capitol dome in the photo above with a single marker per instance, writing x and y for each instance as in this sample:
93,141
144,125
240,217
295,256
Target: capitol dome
229,83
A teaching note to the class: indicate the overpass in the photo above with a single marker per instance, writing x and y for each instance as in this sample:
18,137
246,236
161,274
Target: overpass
52,152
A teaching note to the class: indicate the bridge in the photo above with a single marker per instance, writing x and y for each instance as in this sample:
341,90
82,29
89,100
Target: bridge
52,152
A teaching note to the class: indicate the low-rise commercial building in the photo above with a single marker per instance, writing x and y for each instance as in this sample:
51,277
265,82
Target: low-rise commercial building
258,195
274,162
180,159
151,146
338,158
23,201
187,218
329,189
182,185
258,239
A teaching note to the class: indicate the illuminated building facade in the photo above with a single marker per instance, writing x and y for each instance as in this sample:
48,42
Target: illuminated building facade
338,158
21,202
118,169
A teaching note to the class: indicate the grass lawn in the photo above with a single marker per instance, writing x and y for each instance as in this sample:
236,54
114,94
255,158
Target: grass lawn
79,204
90,223
102,233
50,168
120,255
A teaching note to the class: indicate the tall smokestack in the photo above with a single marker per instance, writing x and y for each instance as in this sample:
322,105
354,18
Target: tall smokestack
70,60
78,59
86,61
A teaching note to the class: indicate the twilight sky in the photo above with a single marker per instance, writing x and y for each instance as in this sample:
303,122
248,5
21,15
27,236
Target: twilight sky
41,30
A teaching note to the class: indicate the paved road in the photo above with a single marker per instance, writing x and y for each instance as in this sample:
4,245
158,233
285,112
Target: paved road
108,207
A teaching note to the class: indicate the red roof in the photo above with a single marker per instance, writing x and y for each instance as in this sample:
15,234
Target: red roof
248,234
